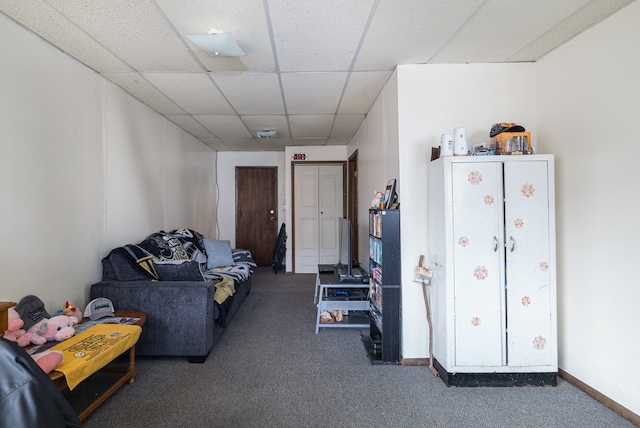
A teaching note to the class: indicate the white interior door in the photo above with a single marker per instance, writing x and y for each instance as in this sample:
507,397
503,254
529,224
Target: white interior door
528,258
318,204
478,258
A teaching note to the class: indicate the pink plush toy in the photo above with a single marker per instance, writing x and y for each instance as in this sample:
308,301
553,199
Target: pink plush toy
58,328
15,333
48,360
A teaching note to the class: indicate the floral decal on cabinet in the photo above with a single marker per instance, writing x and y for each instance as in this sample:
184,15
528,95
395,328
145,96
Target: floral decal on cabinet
539,342
526,301
518,223
463,241
489,200
475,321
527,190
480,272
544,266
474,177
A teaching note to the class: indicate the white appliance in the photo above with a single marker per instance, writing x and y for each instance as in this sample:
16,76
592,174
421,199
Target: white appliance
492,252
446,145
460,147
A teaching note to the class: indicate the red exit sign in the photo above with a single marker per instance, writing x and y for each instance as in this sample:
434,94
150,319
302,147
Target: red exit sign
299,156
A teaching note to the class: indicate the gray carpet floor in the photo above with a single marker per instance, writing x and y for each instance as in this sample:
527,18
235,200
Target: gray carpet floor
270,369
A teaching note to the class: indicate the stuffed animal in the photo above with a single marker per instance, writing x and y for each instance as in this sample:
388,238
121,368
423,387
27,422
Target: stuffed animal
69,309
48,360
14,332
378,200
58,328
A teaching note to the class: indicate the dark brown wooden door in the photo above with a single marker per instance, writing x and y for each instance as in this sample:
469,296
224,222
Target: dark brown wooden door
257,211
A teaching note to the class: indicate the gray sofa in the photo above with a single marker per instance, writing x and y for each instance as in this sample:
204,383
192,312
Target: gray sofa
182,318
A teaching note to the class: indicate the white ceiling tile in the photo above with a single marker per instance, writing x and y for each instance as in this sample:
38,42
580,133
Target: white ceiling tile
215,143
362,90
251,93
244,19
574,24
411,32
274,122
312,93
138,86
275,144
195,93
321,35
483,38
136,31
189,124
346,125
224,126
310,126
241,144
41,18
338,141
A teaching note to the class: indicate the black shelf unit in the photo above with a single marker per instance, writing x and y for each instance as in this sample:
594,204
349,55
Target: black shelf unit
383,343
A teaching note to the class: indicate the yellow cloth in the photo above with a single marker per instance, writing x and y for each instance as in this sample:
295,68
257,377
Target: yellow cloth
94,348
224,289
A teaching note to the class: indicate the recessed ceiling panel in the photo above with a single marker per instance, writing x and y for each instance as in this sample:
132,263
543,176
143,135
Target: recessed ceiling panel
251,93
362,90
138,86
195,93
215,143
312,93
224,126
484,38
135,31
308,126
411,32
320,35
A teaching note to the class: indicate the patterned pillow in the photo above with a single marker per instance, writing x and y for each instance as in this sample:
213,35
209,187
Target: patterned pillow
218,253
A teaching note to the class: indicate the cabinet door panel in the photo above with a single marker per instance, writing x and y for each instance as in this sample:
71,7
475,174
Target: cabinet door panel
478,258
528,257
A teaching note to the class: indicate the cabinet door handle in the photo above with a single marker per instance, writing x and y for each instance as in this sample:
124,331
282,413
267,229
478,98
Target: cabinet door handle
495,244
513,243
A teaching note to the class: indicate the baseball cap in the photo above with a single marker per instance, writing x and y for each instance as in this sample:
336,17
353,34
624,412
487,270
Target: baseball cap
498,128
99,308
31,310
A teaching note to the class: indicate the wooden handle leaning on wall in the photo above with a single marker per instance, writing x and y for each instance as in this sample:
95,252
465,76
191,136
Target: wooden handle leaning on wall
4,315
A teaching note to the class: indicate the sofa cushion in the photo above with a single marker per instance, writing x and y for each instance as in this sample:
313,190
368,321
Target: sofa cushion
178,270
218,253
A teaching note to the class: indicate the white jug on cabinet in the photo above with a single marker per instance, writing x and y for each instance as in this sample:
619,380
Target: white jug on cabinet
460,142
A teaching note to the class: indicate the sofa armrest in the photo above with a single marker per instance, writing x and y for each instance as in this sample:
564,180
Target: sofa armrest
180,314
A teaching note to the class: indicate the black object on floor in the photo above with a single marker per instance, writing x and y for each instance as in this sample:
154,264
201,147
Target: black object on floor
279,251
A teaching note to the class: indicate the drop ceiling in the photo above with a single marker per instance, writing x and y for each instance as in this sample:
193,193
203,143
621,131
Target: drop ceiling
313,68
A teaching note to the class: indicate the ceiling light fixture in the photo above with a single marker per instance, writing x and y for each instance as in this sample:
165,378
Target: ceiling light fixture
217,44
267,133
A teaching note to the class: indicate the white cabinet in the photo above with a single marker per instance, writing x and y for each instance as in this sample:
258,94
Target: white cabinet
492,251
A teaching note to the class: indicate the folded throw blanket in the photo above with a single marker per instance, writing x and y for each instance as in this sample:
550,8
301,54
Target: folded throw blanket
225,288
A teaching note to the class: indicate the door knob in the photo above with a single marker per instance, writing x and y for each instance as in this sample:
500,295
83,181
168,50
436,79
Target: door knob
271,212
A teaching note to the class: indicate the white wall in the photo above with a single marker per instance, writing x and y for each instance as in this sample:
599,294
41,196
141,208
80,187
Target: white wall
588,113
227,163
83,168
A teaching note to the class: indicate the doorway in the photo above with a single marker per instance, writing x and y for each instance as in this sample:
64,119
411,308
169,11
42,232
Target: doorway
318,202
257,211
